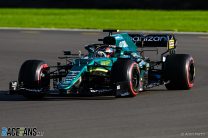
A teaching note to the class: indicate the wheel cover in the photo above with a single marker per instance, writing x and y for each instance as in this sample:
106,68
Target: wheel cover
191,72
42,74
135,79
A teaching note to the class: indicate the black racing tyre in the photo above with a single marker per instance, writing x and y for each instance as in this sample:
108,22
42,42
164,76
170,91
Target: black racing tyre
125,70
33,75
179,70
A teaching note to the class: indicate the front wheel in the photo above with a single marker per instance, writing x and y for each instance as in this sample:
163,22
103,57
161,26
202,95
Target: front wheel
126,72
33,78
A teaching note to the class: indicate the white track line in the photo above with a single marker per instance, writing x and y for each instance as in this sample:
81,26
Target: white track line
99,30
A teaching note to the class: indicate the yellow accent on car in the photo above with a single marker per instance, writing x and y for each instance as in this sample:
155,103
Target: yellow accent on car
105,63
99,69
102,70
171,44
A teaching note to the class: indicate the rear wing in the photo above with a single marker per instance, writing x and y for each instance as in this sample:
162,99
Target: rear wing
154,40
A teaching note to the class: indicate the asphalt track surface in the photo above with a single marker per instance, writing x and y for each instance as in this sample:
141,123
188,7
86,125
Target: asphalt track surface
157,113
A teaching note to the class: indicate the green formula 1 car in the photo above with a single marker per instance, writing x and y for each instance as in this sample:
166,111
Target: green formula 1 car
116,67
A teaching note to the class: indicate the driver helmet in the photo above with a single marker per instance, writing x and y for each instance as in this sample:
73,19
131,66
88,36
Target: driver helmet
109,52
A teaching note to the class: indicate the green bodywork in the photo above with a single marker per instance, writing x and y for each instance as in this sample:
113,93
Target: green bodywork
90,63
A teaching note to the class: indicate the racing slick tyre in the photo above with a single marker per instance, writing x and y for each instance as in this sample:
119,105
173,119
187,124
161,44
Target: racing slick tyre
127,71
179,71
34,79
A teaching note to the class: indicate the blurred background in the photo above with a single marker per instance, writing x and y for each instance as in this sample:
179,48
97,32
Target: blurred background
156,15
109,4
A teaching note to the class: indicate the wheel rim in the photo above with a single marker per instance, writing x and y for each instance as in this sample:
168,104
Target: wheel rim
42,80
135,79
191,72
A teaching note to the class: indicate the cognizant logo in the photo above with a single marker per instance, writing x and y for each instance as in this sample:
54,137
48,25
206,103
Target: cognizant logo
21,131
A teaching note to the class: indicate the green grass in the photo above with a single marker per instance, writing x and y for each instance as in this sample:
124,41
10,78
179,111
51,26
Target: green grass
102,19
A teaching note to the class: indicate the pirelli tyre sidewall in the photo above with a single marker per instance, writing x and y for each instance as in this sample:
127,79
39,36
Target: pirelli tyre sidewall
125,70
179,71
33,75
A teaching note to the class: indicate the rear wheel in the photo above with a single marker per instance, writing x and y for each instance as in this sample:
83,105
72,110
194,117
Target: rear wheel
34,78
127,71
180,72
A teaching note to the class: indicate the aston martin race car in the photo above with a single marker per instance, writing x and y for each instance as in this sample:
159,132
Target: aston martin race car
116,66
